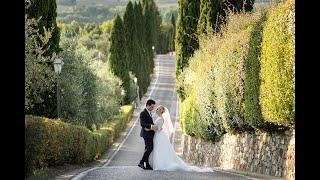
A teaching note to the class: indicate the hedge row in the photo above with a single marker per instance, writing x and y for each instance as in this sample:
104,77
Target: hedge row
277,66
51,142
223,83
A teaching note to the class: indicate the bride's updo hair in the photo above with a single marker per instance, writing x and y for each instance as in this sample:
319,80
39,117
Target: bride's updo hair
161,109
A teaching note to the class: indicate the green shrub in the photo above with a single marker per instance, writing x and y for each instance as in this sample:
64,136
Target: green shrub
276,97
199,81
252,81
221,83
47,12
209,120
229,67
39,77
51,142
188,121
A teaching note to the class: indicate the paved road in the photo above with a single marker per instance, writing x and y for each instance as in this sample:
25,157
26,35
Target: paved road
123,162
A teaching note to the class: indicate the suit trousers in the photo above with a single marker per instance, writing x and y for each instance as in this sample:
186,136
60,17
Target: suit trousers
148,149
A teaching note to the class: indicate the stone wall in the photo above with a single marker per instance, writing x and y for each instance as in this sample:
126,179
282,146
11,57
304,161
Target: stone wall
269,154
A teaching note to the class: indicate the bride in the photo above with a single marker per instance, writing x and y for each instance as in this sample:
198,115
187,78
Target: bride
163,156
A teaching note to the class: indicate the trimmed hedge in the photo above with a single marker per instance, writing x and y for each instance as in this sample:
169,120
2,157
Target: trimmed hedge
277,99
222,83
252,110
198,108
51,142
187,118
230,71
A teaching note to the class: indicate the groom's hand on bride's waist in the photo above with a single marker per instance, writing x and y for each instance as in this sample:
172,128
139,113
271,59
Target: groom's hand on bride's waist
154,127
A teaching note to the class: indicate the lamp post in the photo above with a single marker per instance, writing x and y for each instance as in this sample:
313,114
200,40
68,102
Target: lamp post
137,91
57,68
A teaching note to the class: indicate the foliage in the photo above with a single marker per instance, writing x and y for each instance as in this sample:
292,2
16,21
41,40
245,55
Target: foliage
237,6
165,38
186,37
131,34
276,96
72,88
210,16
91,13
46,11
186,40
213,13
252,81
39,77
51,142
168,13
118,57
131,46
152,26
222,81
67,2
199,80
196,18
143,69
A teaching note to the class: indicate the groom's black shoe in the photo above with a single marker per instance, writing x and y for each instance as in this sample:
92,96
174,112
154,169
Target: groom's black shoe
148,167
141,165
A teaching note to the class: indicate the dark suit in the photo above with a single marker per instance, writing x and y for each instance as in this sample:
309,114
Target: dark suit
146,122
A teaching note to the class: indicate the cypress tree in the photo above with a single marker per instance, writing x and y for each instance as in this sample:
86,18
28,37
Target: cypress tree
186,37
149,31
173,35
153,21
238,5
142,74
131,37
210,16
118,56
47,10
213,13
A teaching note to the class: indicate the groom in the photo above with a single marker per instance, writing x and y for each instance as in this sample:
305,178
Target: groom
147,132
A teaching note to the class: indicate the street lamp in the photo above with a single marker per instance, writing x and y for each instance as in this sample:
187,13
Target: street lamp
57,68
137,90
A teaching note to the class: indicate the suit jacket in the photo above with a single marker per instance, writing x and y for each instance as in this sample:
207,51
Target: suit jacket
145,122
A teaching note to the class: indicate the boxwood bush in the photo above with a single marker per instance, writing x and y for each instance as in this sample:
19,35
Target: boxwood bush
51,142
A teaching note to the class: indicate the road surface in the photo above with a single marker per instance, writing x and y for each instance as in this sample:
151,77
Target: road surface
123,160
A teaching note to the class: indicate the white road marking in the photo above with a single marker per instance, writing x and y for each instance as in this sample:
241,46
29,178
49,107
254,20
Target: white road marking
82,174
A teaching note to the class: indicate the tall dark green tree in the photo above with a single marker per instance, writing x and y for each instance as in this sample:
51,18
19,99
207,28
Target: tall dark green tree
186,37
186,41
238,5
172,37
153,21
214,12
131,37
47,10
118,57
210,16
142,74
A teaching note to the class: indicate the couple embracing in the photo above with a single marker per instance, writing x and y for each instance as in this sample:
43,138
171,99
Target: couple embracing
159,153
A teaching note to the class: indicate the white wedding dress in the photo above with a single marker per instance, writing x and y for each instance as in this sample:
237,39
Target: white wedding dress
163,156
